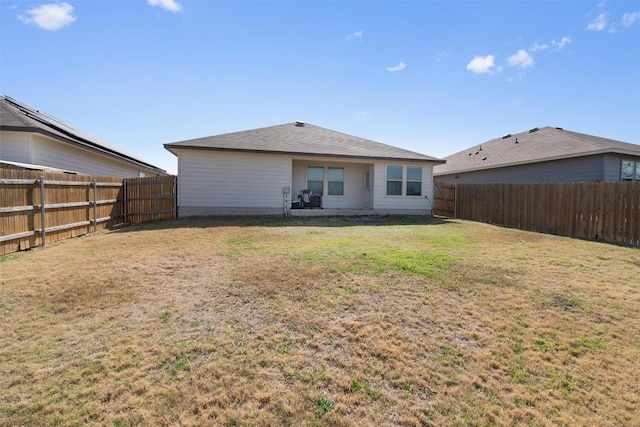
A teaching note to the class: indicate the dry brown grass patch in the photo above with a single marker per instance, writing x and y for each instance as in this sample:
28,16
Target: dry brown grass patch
320,322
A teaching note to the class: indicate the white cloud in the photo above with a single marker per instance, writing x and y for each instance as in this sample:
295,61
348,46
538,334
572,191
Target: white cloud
401,66
363,116
536,47
599,23
521,59
441,56
483,65
562,43
50,17
557,45
355,36
628,19
520,76
170,5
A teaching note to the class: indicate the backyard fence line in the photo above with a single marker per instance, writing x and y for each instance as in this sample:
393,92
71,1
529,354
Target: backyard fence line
150,199
39,207
606,211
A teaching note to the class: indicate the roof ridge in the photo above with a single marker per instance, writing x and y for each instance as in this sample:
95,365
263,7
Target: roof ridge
363,139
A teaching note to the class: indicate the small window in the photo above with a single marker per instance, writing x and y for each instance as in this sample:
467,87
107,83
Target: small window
394,180
630,171
336,182
414,181
315,179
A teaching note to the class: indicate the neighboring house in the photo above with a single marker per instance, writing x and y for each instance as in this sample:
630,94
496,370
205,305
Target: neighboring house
31,137
262,172
546,154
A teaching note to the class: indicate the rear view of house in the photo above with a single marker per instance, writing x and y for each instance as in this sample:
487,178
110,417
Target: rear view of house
265,171
545,154
30,137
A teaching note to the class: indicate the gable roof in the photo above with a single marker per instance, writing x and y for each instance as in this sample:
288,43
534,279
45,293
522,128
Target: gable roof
536,145
301,139
19,117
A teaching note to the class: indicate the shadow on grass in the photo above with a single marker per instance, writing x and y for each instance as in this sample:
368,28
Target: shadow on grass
277,221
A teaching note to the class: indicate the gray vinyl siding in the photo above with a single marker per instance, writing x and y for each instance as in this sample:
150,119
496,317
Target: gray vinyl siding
588,168
612,164
36,149
49,152
15,147
227,183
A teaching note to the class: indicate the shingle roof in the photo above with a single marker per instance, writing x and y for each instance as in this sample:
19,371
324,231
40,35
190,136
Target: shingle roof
301,139
535,145
19,117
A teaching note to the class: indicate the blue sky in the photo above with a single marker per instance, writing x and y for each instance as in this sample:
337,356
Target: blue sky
430,76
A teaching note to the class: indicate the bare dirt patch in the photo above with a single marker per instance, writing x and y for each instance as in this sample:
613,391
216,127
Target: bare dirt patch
321,321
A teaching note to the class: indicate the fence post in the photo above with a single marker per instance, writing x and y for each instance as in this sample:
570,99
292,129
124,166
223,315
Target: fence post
95,206
175,196
42,212
455,200
126,219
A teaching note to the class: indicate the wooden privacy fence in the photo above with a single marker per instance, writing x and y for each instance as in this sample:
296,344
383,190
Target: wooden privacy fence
40,207
150,199
607,211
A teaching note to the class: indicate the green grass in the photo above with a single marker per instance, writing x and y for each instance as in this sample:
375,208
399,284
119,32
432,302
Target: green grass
324,404
320,321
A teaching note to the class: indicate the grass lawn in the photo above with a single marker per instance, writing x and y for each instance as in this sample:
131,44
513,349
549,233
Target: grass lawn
320,321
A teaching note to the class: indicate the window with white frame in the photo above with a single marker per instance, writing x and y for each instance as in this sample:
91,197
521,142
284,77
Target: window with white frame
336,182
414,181
394,180
630,170
315,179
405,181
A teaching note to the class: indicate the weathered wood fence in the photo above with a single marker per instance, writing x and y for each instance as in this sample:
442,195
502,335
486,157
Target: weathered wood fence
607,211
39,207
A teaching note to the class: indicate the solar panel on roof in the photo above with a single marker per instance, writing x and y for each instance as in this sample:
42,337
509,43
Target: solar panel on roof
70,132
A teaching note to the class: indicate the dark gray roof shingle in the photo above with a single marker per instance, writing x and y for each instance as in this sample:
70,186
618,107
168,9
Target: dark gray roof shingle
544,144
307,140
